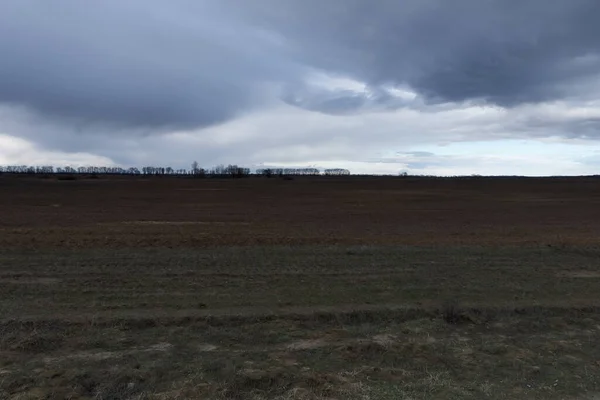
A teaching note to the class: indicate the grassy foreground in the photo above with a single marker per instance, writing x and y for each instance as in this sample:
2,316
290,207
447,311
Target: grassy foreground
312,322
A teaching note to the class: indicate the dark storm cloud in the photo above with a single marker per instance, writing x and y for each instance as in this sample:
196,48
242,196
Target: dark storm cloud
502,51
133,63
184,63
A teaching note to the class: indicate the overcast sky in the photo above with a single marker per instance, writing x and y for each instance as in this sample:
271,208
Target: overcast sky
376,86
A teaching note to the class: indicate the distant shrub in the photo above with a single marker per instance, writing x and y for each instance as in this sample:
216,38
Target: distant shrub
451,312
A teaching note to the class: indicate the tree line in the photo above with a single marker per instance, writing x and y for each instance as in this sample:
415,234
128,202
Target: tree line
300,171
230,170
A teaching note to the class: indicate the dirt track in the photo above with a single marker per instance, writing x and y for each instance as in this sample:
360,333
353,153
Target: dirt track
137,212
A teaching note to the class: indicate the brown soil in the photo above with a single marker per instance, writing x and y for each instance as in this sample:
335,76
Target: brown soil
131,212
168,288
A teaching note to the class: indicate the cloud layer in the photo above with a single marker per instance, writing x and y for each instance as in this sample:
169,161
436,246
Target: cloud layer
135,63
294,81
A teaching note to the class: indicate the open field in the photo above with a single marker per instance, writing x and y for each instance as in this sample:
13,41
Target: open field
314,288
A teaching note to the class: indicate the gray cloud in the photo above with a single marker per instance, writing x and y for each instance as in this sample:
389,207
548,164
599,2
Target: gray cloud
198,63
134,63
116,79
343,101
505,52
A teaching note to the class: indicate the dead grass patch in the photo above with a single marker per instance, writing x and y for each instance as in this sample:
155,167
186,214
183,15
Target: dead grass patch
286,384
30,281
206,347
106,355
580,274
385,339
308,344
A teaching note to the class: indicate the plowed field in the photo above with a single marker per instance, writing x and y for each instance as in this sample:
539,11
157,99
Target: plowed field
180,212
311,288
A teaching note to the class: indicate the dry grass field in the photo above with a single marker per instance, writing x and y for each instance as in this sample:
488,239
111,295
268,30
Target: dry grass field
312,288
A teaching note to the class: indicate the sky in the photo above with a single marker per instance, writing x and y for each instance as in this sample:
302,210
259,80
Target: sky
441,87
